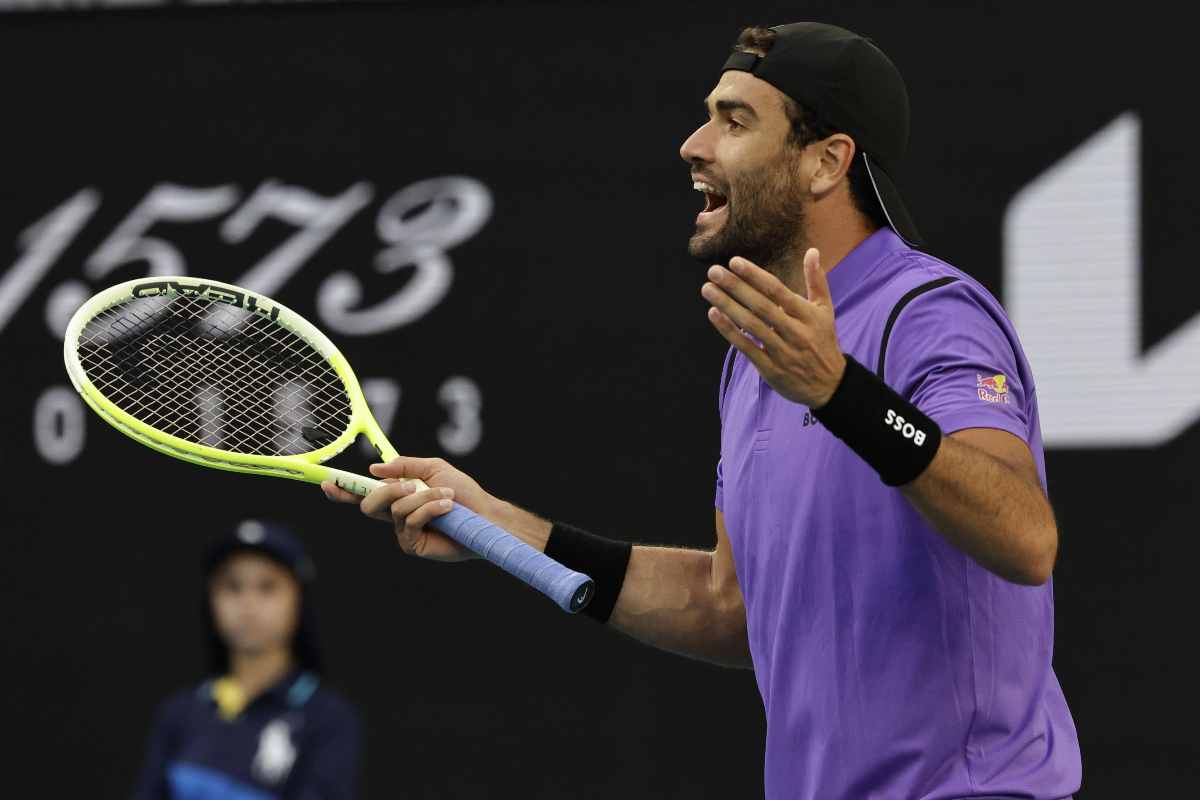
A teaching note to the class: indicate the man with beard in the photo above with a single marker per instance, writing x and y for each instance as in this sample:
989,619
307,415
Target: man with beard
884,539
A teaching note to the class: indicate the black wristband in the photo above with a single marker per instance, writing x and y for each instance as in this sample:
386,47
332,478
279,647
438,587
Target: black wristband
887,431
604,560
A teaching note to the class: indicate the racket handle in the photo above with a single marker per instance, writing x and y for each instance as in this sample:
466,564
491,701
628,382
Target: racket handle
569,589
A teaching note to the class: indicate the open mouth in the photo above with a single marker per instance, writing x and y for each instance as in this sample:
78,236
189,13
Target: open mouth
713,200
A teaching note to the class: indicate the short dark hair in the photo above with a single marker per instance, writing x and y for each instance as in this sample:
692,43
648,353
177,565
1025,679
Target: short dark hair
808,127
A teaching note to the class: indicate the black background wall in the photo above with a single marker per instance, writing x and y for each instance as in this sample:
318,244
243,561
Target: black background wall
543,329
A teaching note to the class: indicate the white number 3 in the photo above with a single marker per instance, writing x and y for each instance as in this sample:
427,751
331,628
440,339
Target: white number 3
463,400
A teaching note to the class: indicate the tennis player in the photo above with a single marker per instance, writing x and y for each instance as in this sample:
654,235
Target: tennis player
884,543
263,726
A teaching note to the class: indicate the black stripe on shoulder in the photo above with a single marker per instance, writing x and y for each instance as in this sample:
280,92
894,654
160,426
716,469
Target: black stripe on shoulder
912,294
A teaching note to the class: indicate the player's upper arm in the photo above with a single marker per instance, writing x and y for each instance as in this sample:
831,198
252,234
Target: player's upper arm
953,355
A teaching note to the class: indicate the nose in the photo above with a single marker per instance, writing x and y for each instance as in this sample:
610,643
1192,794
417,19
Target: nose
698,147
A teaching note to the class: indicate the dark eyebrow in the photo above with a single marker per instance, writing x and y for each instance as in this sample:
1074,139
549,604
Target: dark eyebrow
729,106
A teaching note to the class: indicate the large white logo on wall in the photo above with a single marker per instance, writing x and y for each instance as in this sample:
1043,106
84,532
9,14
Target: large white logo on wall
1072,283
416,227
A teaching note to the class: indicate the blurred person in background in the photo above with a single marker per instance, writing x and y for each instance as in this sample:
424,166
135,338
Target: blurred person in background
262,725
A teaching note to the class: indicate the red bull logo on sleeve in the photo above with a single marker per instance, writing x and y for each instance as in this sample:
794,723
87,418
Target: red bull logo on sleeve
992,389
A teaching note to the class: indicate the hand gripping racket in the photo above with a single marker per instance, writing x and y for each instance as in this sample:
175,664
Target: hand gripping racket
226,378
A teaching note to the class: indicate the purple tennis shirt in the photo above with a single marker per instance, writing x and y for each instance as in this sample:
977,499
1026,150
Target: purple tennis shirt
891,665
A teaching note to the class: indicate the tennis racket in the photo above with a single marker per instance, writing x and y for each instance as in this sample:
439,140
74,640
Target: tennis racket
226,378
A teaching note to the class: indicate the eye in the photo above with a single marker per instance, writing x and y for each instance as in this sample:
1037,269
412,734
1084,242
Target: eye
735,125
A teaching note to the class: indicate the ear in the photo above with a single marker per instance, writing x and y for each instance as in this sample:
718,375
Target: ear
834,157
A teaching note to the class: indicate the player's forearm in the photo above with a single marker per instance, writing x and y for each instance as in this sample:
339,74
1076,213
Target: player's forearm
672,600
978,501
985,508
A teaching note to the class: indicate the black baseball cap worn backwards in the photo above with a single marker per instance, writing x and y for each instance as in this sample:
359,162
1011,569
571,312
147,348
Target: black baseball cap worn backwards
851,85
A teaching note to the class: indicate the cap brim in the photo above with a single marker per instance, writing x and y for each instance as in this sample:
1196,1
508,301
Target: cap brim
893,205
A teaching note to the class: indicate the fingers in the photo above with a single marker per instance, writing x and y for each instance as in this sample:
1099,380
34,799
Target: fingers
764,306
407,507
338,494
413,513
380,502
758,280
418,508
748,319
726,327
410,510
815,281
408,467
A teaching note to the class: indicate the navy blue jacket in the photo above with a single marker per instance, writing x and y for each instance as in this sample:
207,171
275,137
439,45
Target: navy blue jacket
295,741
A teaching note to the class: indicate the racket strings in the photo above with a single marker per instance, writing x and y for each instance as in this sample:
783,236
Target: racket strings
214,374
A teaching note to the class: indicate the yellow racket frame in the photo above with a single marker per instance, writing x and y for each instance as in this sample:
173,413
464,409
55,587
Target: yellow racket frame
306,467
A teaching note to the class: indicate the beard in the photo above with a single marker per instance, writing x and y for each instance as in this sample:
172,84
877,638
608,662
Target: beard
764,221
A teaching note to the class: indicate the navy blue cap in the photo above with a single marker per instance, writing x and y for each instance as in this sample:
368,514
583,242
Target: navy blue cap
275,541
271,539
